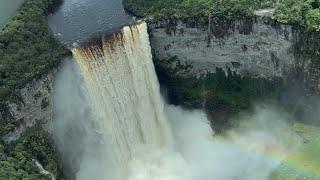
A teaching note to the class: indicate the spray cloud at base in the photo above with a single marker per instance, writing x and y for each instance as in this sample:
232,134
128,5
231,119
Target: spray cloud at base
112,124
249,151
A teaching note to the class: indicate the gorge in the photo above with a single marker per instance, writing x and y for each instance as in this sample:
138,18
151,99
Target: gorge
231,94
127,134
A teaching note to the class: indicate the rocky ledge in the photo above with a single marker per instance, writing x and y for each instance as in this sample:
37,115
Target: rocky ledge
257,47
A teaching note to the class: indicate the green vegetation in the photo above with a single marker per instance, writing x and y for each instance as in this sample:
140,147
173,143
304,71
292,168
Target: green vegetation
189,8
27,48
305,162
235,91
17,160
313,19
305,13
7,127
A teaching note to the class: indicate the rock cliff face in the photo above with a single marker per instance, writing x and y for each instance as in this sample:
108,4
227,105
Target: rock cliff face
35,103
258,47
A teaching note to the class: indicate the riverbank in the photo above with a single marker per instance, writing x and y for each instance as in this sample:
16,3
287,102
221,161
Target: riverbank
7,9
27,48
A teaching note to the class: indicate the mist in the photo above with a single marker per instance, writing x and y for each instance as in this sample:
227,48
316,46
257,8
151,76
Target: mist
251,150
83,150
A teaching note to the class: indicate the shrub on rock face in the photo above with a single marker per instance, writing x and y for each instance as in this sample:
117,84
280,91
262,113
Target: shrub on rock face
305,13
313,19
290,12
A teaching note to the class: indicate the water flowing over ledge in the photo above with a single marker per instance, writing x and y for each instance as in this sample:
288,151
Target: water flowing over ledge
120,78
128,137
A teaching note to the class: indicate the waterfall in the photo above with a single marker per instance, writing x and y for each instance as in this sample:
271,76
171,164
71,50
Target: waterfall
115,128
120,79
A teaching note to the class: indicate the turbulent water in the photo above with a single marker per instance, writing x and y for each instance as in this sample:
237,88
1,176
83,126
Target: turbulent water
111,123
123,89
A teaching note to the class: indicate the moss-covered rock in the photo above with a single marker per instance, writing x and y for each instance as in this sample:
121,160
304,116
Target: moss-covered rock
221,94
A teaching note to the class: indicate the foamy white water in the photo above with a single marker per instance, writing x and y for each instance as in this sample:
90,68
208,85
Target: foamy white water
121,81
124,135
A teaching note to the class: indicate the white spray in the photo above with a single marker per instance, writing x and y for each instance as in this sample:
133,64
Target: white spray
124,92
124,133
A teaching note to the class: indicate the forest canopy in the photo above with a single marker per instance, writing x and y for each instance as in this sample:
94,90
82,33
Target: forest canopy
27,47
27,50
304,13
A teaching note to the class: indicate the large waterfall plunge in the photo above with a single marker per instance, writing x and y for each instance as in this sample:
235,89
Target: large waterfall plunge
124,92
110,125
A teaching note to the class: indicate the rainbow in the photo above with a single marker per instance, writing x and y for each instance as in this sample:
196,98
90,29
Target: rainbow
301,162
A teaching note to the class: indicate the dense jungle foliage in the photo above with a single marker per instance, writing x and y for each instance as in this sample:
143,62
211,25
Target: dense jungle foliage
234,90
305,13
27,50
27,47
187,8
17,160
222,94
